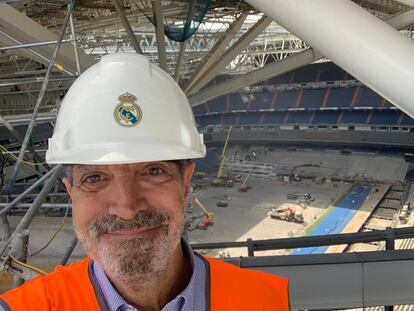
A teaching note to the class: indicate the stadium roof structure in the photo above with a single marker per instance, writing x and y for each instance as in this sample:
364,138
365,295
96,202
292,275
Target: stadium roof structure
233,37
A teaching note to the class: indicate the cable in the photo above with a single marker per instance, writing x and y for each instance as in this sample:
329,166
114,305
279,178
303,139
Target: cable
28,266
55,233
22,161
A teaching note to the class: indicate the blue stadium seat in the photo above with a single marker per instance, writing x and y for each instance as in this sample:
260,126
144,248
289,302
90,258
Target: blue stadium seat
202,121
286,99
199,110
368,98
299,117
326,117
407,120
274,117
354,117
340,97
250,118
215,119
263,100
385,117
230,119
217,104
236,102
312,98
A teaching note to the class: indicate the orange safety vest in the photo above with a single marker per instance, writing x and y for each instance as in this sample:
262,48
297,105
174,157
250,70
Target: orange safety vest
73,288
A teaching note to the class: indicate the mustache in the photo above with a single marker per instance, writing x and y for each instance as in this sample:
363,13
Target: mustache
111,223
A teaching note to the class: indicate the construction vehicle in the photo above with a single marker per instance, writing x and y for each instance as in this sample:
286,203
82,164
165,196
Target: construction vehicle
208,216
243,187
287,214
219,180
222,203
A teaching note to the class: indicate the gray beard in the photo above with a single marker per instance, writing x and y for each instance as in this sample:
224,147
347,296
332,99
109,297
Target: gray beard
133,259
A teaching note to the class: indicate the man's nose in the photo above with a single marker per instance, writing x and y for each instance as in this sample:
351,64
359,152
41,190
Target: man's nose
127,199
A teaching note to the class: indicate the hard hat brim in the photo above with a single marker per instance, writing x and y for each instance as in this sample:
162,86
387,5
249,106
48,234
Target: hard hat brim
105,155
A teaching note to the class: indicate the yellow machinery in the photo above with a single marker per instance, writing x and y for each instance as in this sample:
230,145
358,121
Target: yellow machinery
218,180
208,219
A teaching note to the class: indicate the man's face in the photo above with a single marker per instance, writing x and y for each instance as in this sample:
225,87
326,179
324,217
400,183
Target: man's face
129,218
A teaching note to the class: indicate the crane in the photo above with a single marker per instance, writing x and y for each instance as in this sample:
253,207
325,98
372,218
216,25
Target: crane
218,180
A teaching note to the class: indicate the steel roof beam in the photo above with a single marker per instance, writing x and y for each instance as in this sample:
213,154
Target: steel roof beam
127,26
217,51
159,32
398,21
17,28
261,74
231,53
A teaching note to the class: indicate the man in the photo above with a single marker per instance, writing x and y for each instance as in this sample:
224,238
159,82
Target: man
126,133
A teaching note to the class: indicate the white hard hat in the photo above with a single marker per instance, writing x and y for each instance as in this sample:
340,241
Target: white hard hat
124,110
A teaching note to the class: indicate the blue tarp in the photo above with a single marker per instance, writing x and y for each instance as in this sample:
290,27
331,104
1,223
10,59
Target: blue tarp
336,221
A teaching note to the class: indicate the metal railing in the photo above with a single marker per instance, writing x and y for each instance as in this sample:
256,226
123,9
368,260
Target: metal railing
388,235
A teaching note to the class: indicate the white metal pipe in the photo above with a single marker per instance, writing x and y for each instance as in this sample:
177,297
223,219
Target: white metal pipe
366,47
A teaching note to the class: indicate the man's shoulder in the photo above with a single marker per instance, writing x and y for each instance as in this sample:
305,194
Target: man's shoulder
76,270
66,288
231,283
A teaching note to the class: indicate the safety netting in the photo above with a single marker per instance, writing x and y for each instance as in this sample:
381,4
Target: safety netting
185,20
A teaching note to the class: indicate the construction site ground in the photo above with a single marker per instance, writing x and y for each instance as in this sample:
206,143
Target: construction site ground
246,215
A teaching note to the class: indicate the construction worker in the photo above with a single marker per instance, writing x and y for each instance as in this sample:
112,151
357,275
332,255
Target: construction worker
127,134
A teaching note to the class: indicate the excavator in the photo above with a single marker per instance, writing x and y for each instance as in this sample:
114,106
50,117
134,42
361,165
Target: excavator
208,217
243,186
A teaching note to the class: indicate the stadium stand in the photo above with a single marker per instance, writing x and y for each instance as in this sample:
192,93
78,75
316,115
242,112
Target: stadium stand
299,117
230,119
354,117
287,99
407,120
312,98
385,117
263,100
340,97
200,109
236,102
326,117
302,98
274,118
250,118
217,105
368,98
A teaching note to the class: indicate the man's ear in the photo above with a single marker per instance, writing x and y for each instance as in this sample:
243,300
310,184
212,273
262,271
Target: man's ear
187,176
68,185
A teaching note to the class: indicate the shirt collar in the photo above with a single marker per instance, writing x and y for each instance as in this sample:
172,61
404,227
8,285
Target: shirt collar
115,301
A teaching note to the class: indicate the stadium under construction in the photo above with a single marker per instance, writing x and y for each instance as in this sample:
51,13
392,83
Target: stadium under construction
306,108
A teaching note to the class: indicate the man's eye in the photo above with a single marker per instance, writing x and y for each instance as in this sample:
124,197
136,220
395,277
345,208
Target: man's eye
92,179
156,171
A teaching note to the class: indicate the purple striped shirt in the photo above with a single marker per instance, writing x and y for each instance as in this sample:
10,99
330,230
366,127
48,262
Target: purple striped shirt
192,298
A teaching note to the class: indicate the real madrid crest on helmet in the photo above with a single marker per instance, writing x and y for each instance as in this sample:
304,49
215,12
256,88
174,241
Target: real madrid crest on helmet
127,113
